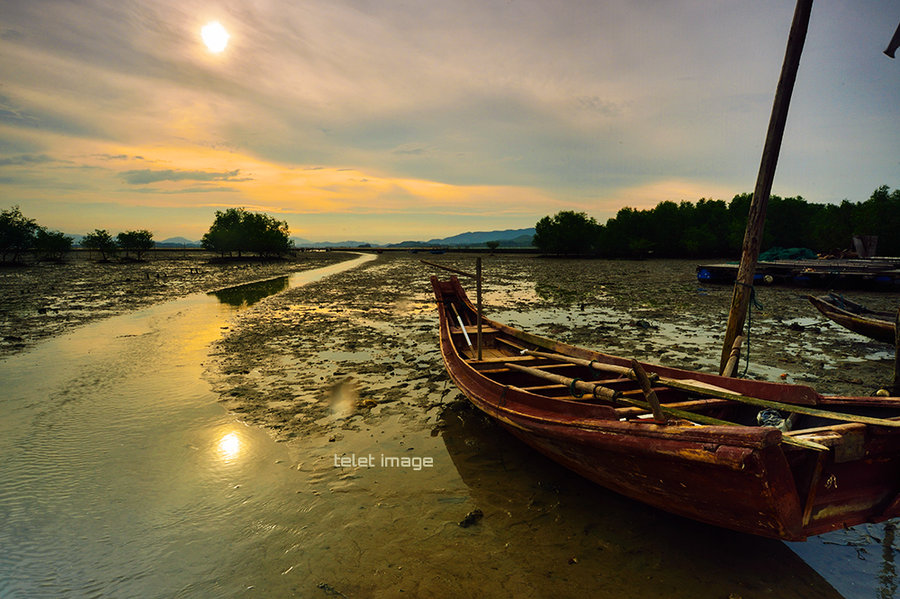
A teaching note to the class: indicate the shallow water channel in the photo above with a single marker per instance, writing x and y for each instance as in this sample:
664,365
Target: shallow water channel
122,476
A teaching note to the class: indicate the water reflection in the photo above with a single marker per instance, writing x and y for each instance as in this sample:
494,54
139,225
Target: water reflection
229,447
250,293
887,578
547,516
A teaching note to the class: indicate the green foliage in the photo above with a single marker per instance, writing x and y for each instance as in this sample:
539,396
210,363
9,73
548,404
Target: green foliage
135,241
51,245
235,231
712,228
492,245
567,233
101,241
16,234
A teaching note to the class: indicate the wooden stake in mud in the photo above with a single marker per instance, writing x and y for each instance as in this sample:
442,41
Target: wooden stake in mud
478,300
896,389
757,216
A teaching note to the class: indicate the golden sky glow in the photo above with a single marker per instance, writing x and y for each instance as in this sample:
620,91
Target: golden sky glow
424,121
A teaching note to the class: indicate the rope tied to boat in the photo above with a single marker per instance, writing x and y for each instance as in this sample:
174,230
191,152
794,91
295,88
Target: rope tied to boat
754,303
572,384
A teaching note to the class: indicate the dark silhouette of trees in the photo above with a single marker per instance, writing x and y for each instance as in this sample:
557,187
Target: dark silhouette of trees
19,235
712,228
135,241
236,231
16,234
51,245
101,241
567,233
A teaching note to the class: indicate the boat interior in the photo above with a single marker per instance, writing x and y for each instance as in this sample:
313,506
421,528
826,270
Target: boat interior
637,392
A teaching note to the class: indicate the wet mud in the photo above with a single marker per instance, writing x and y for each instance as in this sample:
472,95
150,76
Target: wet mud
363,344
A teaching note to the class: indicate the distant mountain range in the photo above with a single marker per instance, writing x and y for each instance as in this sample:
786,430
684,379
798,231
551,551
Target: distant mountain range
177,242
506,238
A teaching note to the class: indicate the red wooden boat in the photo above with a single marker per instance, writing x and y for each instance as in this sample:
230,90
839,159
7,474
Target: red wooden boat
686,442
855,317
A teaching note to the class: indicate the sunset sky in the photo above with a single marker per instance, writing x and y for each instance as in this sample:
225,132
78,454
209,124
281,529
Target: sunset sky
385,120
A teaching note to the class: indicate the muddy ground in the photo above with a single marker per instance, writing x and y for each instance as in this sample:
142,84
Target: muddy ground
363,343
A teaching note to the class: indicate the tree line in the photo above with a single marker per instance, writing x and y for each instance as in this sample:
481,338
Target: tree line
234,232
714,228
20,235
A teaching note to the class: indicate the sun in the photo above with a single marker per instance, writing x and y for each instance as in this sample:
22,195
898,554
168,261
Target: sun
214,36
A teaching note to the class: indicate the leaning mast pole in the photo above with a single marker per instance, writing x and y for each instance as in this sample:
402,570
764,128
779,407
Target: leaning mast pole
756,219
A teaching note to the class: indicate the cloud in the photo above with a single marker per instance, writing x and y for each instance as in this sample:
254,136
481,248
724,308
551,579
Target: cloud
152,190
145,176
484,109
26,160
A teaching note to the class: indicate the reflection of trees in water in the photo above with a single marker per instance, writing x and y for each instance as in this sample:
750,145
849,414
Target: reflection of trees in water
887,578
249,294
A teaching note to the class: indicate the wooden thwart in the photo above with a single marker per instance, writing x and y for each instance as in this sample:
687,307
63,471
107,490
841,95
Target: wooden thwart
604,393
712,391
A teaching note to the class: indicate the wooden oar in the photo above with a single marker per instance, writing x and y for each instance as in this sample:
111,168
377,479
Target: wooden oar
462,326
587,387
702,389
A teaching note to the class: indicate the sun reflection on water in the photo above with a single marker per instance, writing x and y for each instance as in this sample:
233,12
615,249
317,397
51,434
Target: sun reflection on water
229,447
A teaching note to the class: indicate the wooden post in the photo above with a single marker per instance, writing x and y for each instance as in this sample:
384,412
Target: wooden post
896,390
757,216
478,300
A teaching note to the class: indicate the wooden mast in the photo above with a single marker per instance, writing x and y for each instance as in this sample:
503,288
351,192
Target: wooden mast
756,219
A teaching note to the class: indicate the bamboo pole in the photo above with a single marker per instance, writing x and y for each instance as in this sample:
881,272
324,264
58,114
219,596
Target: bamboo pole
710,391
448,269
597,391
602,392
757,216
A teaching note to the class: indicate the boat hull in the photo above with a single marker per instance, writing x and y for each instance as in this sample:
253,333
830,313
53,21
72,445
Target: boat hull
737,477
877,328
